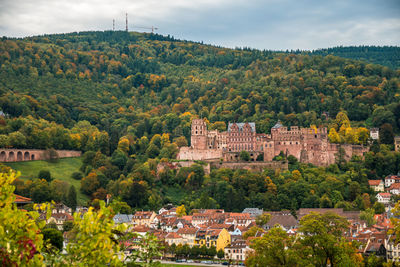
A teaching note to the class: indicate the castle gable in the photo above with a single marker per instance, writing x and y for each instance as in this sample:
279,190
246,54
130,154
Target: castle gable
241,126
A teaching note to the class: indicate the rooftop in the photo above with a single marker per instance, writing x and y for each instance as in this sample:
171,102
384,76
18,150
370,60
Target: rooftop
241,124
277,125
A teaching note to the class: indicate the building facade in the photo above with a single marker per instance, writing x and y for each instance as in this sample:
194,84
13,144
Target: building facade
397,143
306,144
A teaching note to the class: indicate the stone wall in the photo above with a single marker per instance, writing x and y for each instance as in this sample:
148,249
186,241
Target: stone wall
251,166
180,164
188,153
15,155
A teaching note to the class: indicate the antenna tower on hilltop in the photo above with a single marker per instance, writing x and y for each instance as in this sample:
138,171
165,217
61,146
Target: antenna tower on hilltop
126,21
113,24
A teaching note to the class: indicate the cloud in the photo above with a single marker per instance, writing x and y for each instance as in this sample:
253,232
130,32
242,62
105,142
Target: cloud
263,24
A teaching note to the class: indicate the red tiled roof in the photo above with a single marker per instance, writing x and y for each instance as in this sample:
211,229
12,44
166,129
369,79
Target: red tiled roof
374,182
395,177
187,231
384,194
172,235
394,186
187,218
62,216
142,215
21,199
141,229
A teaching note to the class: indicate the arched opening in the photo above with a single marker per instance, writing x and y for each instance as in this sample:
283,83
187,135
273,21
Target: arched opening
26,155
11,156
19,156
3,156
33,157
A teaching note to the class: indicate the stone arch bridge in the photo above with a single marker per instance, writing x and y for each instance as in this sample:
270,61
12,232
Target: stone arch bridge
14,155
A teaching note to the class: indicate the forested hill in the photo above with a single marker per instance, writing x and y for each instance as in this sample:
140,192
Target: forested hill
148,84
386,55
127,99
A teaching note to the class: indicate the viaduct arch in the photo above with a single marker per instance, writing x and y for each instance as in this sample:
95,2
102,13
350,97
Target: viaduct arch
14,155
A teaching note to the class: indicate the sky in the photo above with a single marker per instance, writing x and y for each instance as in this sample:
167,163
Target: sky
261,24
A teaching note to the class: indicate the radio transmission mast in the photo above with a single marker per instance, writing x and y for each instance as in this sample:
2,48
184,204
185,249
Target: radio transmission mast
113,24
126,21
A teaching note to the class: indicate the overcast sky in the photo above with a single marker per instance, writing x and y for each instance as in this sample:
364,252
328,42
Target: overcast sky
267,24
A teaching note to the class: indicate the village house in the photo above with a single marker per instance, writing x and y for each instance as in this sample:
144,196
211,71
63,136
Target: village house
239,219
123,218
377,185
188,234
392,249
238,250
254,212
143,218
283,218
174,238
61,208
391,179
383,198
394,189
142,229
57,218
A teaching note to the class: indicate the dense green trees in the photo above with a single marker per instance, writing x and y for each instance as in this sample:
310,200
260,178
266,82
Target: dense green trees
321,244
127,100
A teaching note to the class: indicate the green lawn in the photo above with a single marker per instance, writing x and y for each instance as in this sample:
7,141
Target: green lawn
60,170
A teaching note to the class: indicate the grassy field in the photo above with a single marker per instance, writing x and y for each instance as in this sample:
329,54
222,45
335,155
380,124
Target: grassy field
60,170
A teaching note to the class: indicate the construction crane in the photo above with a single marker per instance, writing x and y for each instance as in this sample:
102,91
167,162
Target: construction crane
152,28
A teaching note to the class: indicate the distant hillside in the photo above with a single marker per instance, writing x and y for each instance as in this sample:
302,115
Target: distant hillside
150,84
383,55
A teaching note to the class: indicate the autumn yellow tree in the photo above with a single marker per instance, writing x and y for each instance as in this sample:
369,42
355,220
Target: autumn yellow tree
333,136
181,210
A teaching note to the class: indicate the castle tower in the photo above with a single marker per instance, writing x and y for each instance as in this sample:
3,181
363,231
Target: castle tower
199,134
397,143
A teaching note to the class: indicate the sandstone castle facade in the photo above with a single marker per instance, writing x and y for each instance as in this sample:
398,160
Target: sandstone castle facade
306,144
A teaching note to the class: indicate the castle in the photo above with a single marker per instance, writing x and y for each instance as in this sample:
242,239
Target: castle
306,144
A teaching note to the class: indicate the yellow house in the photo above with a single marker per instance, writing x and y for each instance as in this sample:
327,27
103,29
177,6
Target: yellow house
219,238
200,237
223,240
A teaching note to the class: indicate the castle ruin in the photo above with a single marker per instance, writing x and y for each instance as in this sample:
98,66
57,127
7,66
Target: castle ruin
308,145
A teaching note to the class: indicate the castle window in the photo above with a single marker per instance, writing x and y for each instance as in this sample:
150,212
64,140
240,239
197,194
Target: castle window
296,143
315,136
196,132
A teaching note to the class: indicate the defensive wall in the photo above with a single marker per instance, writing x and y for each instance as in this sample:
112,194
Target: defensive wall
209,164
15,155
251,166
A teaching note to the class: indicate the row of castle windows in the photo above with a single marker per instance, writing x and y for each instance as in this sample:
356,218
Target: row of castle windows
283,143
240,147
237,134
239,139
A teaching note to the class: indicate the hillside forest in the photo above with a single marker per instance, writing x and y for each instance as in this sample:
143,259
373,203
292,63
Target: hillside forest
126,100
